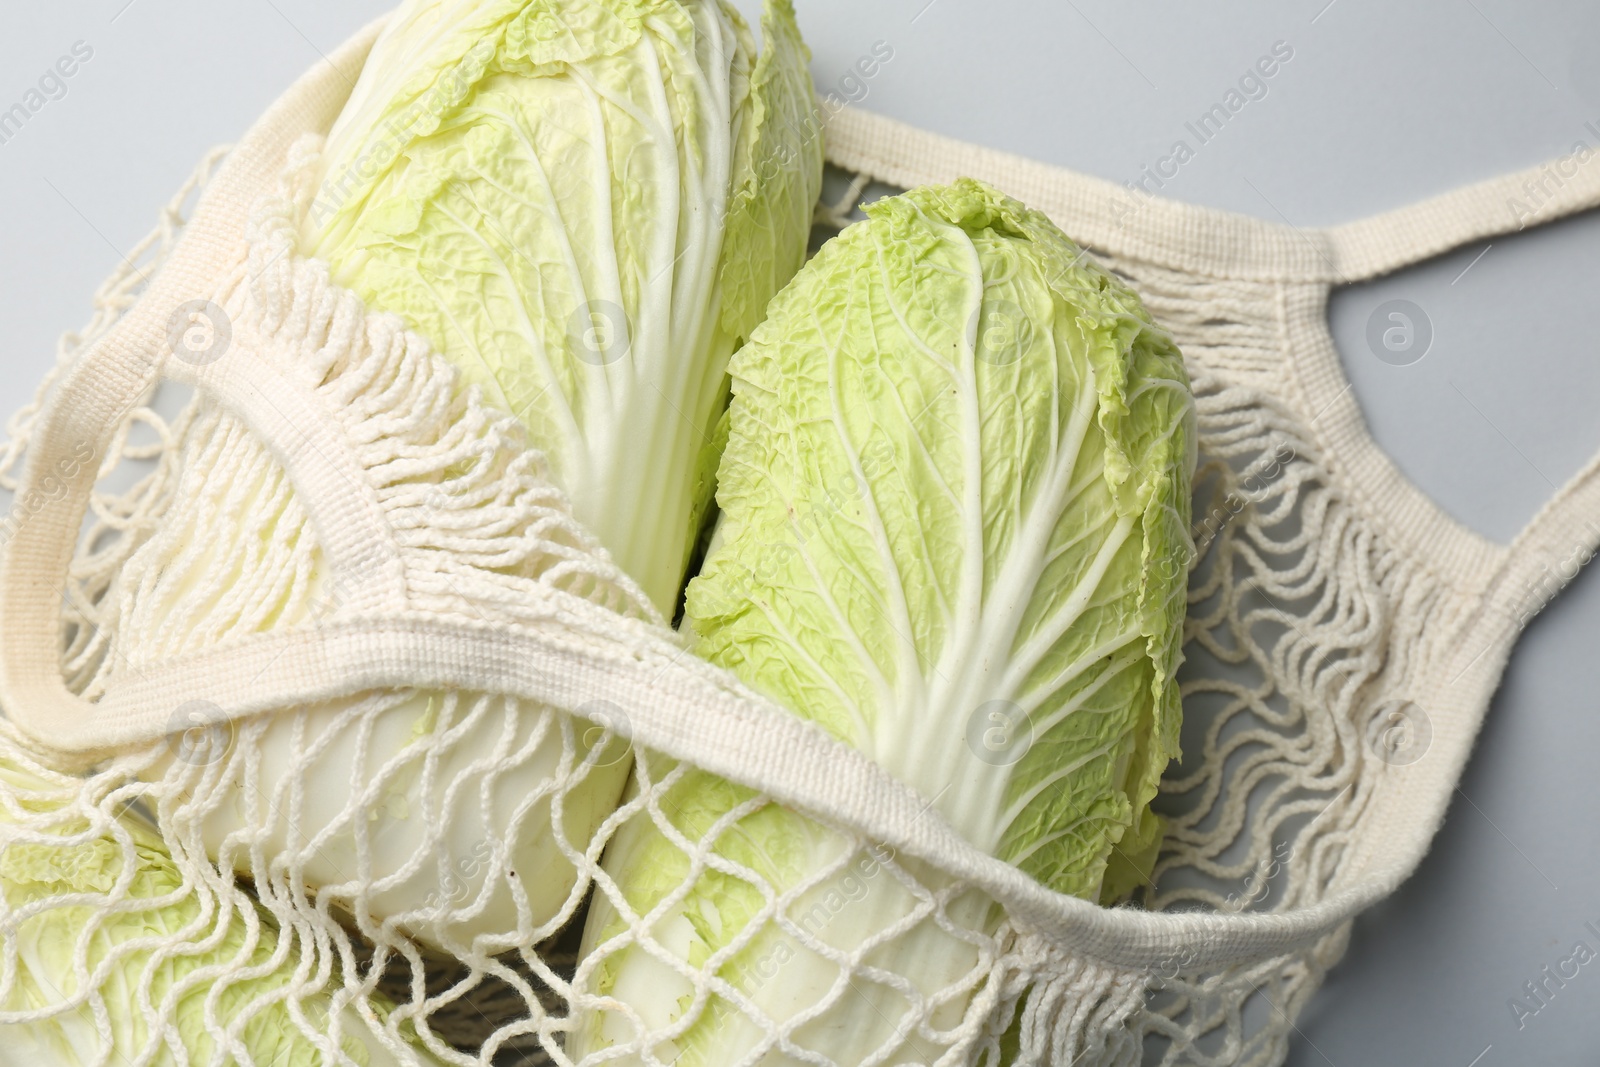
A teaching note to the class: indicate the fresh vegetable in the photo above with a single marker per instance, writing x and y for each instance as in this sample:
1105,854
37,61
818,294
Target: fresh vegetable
585,205
68,897
955,514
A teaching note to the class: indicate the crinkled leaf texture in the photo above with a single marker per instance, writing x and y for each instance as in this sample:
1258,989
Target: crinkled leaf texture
956,489
586,205
954,533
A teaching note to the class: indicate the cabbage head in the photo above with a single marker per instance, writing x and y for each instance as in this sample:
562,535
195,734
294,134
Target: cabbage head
585,205
954,535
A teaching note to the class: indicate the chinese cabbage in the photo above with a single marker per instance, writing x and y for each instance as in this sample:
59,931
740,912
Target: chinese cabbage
955,515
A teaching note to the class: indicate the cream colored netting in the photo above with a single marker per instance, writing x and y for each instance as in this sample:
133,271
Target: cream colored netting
1304,638
350,869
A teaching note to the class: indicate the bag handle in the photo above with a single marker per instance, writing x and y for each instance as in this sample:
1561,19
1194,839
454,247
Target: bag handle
1096,213
1509,203
1550,551
1136,224
108,379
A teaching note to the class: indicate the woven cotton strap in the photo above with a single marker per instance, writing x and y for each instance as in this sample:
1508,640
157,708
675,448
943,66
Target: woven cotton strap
1560,540
1394,239
1106,216
677,705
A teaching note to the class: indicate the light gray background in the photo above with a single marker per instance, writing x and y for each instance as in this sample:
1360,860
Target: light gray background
1381,105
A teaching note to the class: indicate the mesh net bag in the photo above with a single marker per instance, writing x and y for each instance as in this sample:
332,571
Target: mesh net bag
303,649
